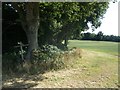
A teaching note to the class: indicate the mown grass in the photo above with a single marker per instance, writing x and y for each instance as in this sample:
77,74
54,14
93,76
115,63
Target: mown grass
99,46
93,70
100,61
98,68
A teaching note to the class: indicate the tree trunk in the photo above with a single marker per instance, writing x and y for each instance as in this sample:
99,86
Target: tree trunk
31,26
32,36
29,16
66,41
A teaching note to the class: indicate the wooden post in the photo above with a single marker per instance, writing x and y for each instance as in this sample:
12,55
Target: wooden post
21,45
21,49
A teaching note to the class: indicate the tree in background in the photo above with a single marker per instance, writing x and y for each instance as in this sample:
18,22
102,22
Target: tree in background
99,36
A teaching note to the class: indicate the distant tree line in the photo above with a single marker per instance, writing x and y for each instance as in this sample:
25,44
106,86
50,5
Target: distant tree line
98,37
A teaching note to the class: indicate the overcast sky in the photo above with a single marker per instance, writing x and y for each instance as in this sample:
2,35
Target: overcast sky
109,24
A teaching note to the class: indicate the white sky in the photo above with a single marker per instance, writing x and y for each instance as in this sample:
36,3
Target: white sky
109,24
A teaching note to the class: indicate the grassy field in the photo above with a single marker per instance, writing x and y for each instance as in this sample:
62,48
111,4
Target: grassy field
98,68
99,46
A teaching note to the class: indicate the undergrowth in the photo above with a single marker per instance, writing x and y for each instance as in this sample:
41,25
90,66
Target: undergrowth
46,58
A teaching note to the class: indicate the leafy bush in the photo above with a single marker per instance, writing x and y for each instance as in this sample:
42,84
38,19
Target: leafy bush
46,58
46,52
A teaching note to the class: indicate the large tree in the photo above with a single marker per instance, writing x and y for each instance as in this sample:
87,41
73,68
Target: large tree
58,20
29,18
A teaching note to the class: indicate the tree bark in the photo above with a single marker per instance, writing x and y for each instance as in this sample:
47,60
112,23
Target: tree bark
31,29
32,36
29,16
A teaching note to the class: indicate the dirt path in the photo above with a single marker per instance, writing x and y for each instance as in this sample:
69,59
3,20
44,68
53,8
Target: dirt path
94,70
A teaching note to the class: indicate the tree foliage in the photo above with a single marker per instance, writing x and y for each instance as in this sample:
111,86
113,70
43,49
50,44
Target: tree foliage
61,20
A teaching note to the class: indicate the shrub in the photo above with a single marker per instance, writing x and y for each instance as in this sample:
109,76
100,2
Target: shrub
46,58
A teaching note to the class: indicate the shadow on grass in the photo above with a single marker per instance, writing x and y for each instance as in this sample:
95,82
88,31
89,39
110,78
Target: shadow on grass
22,81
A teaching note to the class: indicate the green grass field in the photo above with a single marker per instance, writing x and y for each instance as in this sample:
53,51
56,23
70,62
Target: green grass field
99,46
